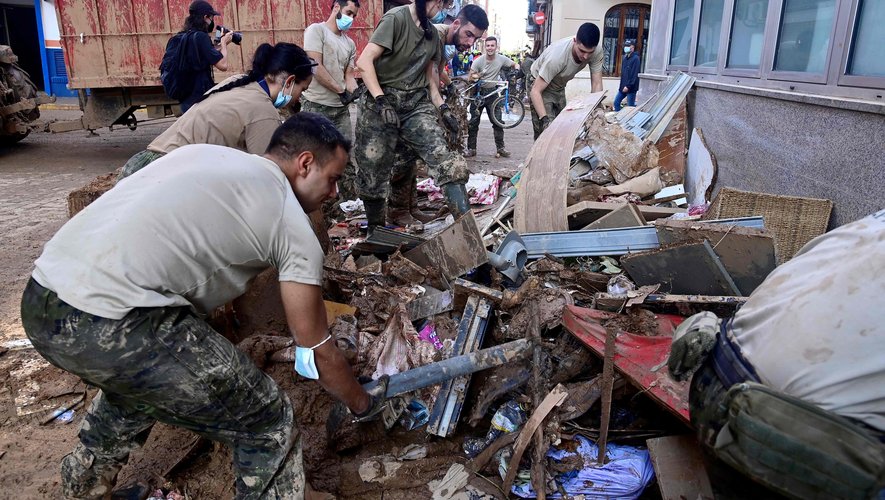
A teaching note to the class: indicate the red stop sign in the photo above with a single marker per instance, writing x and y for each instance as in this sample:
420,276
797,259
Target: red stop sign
540,17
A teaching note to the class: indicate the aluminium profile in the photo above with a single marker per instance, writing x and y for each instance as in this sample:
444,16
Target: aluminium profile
599,242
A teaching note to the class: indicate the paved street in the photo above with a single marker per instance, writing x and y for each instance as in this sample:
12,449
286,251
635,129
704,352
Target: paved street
37,174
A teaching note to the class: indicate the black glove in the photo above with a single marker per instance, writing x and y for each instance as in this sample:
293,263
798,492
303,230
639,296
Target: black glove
450,120
388,114
348,97
545,122
451,89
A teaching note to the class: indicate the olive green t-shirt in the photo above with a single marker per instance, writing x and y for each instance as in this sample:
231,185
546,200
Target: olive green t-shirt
403,64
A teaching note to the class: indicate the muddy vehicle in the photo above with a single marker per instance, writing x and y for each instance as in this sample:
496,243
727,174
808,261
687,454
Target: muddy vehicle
18,99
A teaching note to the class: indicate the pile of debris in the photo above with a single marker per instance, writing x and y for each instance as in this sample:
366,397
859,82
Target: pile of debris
552,348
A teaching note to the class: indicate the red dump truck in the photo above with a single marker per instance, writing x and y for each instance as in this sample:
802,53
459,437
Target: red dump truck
113,48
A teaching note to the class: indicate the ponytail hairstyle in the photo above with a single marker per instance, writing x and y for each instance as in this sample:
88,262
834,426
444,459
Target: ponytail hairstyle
273,60
421,10
195,22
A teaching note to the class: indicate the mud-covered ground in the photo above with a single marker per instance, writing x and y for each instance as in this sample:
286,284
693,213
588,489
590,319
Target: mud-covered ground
35,178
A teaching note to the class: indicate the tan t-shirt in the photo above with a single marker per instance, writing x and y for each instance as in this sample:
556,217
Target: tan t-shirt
814,328
339,53
190,229
242,118
403,64
557,66
490,71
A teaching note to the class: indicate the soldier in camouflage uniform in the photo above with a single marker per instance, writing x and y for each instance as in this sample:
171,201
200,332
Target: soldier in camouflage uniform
458,35
403,93
119,295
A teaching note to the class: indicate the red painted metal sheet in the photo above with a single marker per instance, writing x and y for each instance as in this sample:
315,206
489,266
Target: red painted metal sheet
642,359
120,43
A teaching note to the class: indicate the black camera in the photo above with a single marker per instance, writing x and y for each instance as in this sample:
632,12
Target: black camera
220,31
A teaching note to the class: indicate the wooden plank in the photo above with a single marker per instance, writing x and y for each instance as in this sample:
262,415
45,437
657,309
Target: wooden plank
541,204
627,215
671,149
469,287
692,268
585,212
552,400
679,468
454,251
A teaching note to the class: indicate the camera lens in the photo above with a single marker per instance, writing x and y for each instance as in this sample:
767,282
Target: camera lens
237,37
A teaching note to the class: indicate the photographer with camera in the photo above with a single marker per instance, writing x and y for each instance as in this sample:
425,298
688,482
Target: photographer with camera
241,112
186,70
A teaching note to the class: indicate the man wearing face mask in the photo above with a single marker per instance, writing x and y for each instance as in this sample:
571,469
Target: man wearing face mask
119,296
556,66
334,86
629,76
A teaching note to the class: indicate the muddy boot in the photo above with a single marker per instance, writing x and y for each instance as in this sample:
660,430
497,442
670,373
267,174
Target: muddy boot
502,153
375,214
456,199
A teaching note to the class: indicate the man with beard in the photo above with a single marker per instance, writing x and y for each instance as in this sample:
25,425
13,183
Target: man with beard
457,36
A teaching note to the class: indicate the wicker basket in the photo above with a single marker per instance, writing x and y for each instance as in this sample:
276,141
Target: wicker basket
794,221
82,197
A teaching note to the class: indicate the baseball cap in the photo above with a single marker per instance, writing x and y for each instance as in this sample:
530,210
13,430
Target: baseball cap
203,8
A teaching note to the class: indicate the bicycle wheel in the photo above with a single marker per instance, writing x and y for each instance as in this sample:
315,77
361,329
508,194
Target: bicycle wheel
507,113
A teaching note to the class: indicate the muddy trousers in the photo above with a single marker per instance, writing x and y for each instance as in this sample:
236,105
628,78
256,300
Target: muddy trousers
554,103
340,116
166,365
476,110
376,144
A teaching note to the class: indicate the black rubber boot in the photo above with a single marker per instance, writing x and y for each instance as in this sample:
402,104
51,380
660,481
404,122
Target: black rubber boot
456,199
375,213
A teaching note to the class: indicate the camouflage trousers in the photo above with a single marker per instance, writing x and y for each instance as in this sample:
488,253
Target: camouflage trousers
476,109
554,103
340,116
706,403
137,162
377,144
166,365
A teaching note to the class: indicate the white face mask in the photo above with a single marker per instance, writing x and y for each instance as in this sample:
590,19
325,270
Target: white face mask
626,50
305,364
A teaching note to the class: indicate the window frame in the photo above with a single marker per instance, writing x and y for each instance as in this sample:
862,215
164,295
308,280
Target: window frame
849,26
801,76
699,10
691,49
731,5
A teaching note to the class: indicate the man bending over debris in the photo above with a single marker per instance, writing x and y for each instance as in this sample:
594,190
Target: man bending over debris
558,65
117,298
791,391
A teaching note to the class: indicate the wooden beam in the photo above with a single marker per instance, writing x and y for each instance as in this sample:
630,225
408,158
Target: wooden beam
585,212
543,186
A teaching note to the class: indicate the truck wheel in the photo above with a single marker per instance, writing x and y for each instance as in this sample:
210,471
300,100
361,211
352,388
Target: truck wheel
9,140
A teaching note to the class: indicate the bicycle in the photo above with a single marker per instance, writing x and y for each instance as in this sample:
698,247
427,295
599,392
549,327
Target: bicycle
508,111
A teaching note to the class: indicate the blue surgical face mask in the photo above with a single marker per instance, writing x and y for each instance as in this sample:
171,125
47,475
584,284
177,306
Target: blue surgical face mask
439,18
282,100
305,364
344,22
626,50
450,51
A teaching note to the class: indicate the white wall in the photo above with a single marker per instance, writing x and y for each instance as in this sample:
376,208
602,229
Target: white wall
569,15
50,21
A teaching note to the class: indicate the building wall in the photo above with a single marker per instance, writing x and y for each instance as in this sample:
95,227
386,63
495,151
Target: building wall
782,140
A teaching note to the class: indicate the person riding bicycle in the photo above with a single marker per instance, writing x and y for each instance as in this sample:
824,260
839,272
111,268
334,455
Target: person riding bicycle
487,70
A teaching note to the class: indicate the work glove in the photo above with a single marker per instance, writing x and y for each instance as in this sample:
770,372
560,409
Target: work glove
387,409
388,114
450,89
450,120
347,97
545,122
693,340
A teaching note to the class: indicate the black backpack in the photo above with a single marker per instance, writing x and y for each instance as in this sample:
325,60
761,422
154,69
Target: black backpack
176,72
